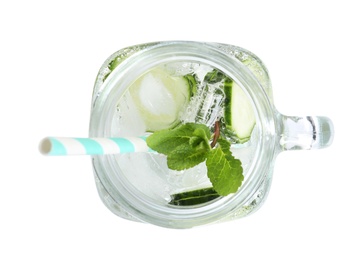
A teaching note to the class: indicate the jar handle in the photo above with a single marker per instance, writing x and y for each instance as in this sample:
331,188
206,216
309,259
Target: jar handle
305,133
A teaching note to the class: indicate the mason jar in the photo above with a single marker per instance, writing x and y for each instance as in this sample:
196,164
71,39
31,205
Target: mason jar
139,186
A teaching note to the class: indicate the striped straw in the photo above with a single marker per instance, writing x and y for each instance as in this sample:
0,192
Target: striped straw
92,146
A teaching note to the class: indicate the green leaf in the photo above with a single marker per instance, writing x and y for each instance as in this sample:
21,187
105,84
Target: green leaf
224,171
225,146
200,137
185,156
166,141
202,131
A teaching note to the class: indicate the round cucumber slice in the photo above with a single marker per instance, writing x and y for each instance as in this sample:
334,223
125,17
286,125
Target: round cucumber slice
160,97
239,112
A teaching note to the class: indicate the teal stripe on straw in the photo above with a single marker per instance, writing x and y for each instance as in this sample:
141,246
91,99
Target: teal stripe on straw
125,145
57,147
91,146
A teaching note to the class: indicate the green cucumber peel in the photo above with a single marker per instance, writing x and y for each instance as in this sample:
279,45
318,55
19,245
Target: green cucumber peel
194,197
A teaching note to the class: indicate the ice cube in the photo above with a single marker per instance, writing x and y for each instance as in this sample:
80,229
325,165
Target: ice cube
201,71
206,106
155,97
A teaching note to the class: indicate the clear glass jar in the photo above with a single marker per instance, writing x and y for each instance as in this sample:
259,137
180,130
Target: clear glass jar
134,196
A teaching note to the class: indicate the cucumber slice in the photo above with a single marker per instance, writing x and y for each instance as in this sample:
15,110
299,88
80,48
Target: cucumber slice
238,112
195,197
160,97
192,82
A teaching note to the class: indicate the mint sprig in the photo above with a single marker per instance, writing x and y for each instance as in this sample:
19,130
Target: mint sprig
189,145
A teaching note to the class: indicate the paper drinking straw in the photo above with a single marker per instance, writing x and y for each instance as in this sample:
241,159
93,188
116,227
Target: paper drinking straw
92,146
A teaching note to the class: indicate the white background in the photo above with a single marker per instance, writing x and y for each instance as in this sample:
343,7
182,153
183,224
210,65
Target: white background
50,52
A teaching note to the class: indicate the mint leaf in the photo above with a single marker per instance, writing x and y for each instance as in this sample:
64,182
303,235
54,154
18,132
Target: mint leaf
224,171
185,156
185,146
166,141
225,146
200,137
